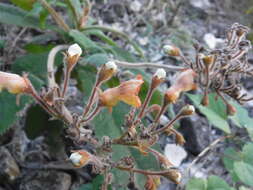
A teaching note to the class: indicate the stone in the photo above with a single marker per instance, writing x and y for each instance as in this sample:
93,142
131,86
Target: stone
175,153
196,133
42,180
211,41
8,167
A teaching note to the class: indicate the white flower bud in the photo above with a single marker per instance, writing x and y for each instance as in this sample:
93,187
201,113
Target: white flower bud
111,65
201,56
171,50
160,73
167,48
74,50
188,110
75,158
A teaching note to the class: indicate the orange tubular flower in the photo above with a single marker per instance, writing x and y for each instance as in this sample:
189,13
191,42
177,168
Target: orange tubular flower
127,92
183,83
14,83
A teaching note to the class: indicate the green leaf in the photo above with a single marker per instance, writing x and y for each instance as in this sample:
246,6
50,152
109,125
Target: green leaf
215,111
37,48
247,153
101,36
245,172
242,119
216,183
196,184
231,156
9,109
96,59
10,14
96,184
88,45
24,4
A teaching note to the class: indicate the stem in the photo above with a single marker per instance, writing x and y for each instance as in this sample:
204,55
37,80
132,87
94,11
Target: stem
145,103
91,98
50,64
188,63
66,82
207,81
144,172
169,125
93,114
162,110
58,19
148,65
222,97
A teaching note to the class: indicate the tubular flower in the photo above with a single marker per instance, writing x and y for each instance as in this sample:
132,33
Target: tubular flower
127,92
14,83
183,83
80,158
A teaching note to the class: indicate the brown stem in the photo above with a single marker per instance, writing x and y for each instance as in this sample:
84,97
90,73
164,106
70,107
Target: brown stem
144,172
188,63
91,99
169,125
93,114
145,103
162,110
66,82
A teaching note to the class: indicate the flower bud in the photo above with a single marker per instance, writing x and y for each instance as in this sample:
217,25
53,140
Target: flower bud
171,50
179,138
158,78
73,54
231,110
160,74
14,83
111,65
80,158
187,110
208,59
74,50
205,100
107,71
173,175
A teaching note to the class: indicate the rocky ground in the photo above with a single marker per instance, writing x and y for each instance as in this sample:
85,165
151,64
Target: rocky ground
152,24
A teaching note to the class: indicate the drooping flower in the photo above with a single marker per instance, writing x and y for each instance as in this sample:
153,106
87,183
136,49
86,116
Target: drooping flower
127,92
183,83
80,158
14,83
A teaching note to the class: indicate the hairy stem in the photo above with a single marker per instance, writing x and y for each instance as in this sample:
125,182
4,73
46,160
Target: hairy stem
58,19
148,65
